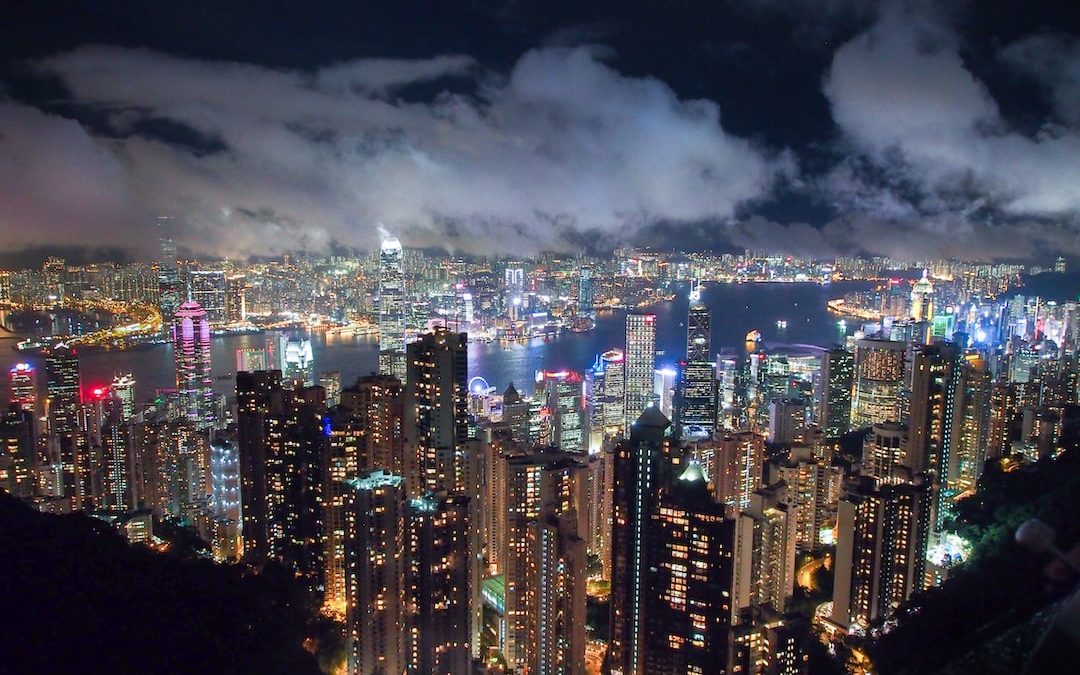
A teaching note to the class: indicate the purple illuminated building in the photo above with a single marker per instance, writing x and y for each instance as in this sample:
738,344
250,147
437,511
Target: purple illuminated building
191,348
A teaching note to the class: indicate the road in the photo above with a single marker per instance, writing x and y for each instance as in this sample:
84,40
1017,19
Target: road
805,576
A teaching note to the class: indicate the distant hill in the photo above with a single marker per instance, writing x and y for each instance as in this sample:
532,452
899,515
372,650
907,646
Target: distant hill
76,597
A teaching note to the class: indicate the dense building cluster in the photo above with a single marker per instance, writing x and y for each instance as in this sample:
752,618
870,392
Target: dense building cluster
455,530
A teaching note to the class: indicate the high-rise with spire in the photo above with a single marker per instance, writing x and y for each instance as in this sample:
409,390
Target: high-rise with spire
696,409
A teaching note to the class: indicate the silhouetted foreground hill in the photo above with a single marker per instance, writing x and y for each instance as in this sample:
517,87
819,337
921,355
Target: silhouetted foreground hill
75,597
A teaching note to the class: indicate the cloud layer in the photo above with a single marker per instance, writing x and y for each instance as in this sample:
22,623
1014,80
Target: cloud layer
562,147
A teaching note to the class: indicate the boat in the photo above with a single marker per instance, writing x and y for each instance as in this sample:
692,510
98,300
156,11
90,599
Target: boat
753,336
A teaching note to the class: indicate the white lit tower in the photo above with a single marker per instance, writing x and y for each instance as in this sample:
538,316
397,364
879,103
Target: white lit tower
391,310
697,381
123,388
191,349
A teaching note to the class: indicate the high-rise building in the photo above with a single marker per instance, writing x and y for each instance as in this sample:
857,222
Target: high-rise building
391,310
330,381
208,288
235,298
375,516
441,583
642,466
813,489
834,392
687,578
697,382
436,409
881,542
739,463
765,643
539,488
613,400
191,350
62,368
922,299
765,545
564,393
255,392
115,466
640,365
123,390
885,453
250,359
787,419
585,291
376,404
169,295
17,451
297,362
23,386
879,380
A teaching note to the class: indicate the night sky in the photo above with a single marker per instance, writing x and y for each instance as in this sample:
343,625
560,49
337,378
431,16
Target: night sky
806,127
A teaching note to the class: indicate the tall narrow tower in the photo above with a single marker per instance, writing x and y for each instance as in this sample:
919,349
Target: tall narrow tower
391,310
191,348
697,382
640,365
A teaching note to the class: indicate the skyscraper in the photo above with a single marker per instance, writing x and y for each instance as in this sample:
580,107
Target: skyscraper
436,409
254,393
585,291
885,453
834,392
169,295
123,389
235,298
391,309
613,400
539,488
375,516
23,386
685,614
643,465
191,350
62,367
697,383
879,379
440,580
922,299
765,547
739,466
880,549
640,365
208,288
565,397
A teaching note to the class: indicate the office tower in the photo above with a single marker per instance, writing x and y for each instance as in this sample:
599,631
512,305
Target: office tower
765,643
191,350
697,394
685,614
391,310
933,402
834,392
640,365
254,394
297,360
613,401
643,465
585,291
881,544
225,478
375,516
17,451
739,463
922,299
208,288
23,386
235,299
539,488
564,393
62,368
879,379
169,294
436,409
514,280
440,580
53,273
765,545
727,370
376,405
665,382
787,420
250,359
123,390
813,489
885,453
330,381
594,404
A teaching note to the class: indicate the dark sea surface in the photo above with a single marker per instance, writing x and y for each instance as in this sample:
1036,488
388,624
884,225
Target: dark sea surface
736,309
